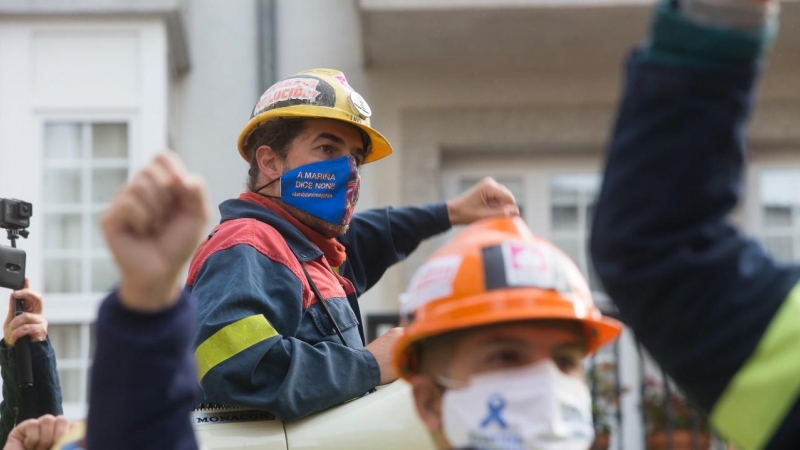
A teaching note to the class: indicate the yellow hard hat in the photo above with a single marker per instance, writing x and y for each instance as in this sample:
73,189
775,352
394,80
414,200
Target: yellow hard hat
494,271
316,94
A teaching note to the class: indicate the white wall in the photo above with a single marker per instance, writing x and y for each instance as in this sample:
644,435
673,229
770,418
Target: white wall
213,101
75,70
313,33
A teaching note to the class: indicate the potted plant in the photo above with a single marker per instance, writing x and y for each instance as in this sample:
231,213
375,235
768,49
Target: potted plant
602,428
671,417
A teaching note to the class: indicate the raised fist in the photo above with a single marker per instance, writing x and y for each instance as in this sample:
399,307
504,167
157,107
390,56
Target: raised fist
152,228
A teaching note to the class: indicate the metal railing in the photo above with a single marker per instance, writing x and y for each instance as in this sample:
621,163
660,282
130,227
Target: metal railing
666,418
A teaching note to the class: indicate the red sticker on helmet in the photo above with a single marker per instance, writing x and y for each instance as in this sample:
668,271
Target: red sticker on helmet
528,265
304,89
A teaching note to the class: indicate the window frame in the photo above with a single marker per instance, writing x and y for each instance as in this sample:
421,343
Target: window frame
87,208
748,214
582,232
79,308
82,363
791,231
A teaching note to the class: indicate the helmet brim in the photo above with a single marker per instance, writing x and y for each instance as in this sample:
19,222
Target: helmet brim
512,305
380,145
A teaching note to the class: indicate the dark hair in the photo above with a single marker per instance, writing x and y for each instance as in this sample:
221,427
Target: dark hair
277,134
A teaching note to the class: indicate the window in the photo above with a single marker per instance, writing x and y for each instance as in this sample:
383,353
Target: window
74,347
572,202
780,212
85,165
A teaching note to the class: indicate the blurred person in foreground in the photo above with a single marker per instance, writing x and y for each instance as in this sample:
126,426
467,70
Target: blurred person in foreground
498,323
44,397
143,384
710,304
277,281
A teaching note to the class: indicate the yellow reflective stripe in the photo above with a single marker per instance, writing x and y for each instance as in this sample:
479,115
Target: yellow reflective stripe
230,340
763,391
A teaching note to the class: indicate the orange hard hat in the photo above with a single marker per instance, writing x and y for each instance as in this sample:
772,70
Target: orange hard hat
496,270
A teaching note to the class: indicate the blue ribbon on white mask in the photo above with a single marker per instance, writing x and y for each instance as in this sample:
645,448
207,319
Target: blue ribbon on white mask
496,404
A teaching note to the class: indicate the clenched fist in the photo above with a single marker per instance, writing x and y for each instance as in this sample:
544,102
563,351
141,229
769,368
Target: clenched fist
37,434
152,228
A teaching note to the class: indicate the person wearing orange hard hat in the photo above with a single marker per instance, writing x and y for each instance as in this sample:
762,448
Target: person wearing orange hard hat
497,323
277,282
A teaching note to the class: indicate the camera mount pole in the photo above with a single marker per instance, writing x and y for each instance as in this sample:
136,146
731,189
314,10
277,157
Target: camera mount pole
14,234
22,353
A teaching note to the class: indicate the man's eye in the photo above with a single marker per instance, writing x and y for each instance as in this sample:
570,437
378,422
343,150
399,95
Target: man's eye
328,149
566,363
505,358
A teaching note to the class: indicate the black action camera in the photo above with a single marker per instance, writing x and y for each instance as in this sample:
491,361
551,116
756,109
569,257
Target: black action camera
15,217
15,214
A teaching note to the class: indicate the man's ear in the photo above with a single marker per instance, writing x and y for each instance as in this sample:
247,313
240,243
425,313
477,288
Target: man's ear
270,163
428,400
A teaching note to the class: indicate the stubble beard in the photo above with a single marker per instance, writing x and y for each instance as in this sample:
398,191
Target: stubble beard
324,228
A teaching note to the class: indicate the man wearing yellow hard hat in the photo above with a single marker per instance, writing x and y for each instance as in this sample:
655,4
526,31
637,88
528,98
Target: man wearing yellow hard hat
277,282
498,321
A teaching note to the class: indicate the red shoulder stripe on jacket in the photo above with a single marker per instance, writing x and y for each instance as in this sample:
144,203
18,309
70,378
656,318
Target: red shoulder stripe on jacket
250,232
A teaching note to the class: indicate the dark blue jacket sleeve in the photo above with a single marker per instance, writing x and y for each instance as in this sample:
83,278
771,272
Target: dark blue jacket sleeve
697,293
43,398
379,238
143,385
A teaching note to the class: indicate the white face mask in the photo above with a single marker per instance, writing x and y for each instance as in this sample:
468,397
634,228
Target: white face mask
533,407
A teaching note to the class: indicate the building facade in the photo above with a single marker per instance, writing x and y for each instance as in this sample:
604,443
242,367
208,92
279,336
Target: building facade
521,90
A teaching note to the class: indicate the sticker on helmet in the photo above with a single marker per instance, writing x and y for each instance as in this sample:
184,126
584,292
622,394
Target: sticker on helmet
298,90
360,105
340,76
528,265
431,281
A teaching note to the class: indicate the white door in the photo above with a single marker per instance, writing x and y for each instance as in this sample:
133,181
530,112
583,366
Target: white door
82,105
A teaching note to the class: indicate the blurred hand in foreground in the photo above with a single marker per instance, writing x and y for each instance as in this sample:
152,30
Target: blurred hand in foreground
152,228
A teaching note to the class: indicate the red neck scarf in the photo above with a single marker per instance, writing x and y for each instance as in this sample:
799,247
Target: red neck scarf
333,250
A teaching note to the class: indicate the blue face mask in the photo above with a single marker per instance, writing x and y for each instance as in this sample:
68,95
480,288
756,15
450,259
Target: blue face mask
327,190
